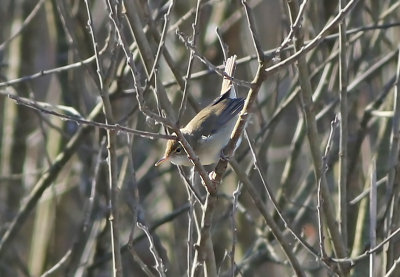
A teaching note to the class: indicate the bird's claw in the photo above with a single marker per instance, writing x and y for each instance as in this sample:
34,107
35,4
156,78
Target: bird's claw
223,156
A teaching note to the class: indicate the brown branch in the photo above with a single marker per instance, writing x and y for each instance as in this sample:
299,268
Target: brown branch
39,106
343,139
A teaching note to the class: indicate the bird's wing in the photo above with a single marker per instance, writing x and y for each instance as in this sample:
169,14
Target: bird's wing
217,114
233,107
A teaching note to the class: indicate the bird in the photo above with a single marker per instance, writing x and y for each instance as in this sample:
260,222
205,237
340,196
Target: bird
208,132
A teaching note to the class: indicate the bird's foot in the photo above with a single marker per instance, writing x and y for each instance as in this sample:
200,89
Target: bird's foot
223,156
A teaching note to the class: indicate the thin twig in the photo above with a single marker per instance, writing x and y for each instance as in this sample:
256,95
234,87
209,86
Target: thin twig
224,46
58,265
24,24
161,44
189,14
159,262
167,218
366,192
140,262
328,148
343,80
240,125
392,270
111,149
195,35
394,139
253,31
293,27
190,186
235,196
190,231
46,72
112,127
366,254
372,217
204,60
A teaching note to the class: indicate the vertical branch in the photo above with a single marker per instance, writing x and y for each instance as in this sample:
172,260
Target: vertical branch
112,159
235,200
394,140
372,218
204,258
393,166
319,195
252,28
191,218
343,76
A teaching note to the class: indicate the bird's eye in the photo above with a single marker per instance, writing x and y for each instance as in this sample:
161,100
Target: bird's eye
178,150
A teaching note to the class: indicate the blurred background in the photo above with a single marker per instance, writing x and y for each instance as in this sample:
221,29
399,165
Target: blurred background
60,167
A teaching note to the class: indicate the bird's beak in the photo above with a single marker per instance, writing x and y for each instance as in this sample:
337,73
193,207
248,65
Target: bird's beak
160,161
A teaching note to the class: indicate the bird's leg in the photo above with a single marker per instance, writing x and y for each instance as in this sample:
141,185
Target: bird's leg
223,156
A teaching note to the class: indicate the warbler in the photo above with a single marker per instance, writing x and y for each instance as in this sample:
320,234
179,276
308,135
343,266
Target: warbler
208,132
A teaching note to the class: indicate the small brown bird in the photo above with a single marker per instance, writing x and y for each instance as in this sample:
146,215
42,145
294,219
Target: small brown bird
208,132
